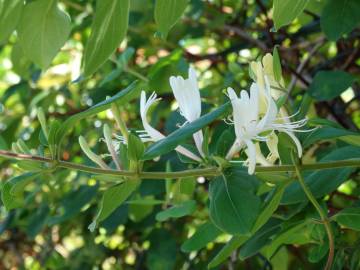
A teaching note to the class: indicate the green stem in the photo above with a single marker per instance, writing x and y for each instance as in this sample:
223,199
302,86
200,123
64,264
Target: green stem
210,171
136,74
324,218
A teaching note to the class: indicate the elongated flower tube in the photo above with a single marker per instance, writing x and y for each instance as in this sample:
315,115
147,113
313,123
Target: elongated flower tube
251,126
187,95
150,133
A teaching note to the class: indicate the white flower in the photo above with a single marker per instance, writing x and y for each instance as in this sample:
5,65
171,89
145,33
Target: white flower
187,95
251,126
150,133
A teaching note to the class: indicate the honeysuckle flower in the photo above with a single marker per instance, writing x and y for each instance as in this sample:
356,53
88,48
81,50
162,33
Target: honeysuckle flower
187,95
250,125
150,133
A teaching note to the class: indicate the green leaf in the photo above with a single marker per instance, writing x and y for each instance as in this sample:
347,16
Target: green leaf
177,211
270,205
120,98
10,14
277,65
205,234
108,30
54,128
234,206
234,243
349,218
43,30
136,147
285,11
260,239
328,133
167,13
12,190
73,202
329,84
339,18
318,181
112,199
177,137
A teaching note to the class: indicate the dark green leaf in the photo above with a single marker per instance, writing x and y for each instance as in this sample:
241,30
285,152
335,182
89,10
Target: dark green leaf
177,137
43,30
260,238
339,18
270,205
329,84
319,181
234,206
349,217
206,233
108,30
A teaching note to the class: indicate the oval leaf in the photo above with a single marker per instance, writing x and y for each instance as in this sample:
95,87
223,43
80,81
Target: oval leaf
177,211
43,30
349,217
330,84
234,206
339,18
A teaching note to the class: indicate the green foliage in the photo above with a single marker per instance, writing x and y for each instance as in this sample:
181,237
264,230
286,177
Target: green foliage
330,84
76,152
108,30
167,13
9,17
43,29
234,205
285,11
339,18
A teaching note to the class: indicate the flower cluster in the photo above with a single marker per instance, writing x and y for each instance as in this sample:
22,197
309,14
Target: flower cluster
255,116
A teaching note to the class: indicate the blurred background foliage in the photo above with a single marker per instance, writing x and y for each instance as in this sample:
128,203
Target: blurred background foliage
321,66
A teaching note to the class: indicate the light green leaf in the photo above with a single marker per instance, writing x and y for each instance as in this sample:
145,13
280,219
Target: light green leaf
167,13
227,250
12,190
349,217
177,211
339,17
277,65
136,147
43,30
10,14
330,84
112,199
108,30
177,137
205,234
285,11
234,206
